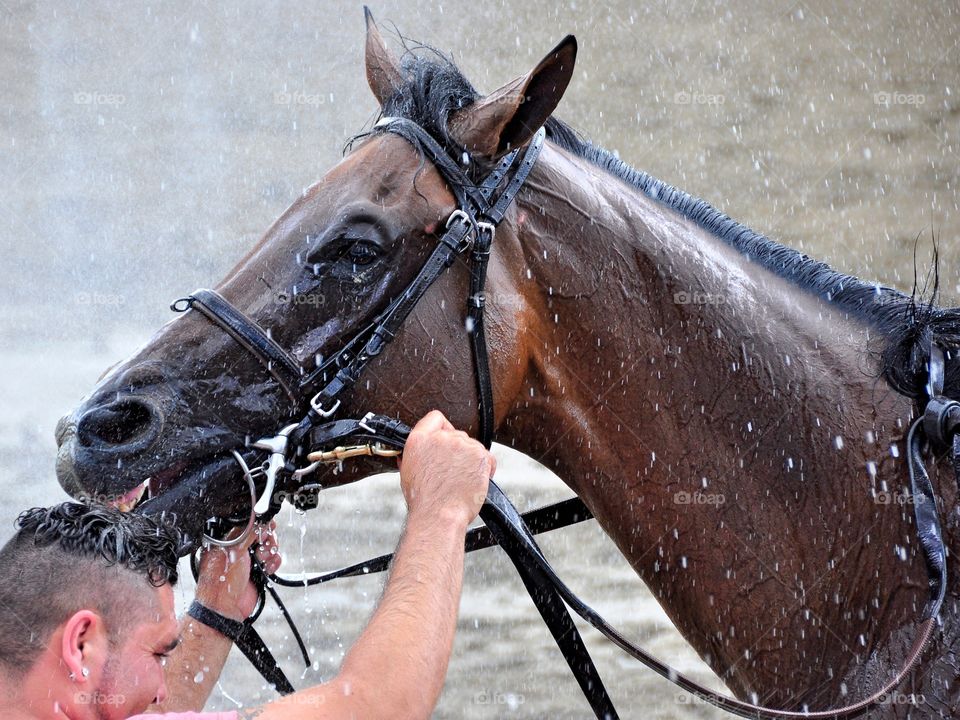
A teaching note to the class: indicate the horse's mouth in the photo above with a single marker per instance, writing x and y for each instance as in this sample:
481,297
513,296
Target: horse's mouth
163,480
155,485
130,500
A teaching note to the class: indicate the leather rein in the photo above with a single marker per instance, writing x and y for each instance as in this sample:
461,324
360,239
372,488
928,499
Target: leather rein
321,437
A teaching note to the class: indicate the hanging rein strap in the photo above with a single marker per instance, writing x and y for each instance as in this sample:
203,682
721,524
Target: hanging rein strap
243,635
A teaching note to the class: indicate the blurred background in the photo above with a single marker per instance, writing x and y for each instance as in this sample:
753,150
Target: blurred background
145,146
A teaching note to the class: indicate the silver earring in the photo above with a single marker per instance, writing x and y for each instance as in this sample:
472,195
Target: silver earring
73,678
85,672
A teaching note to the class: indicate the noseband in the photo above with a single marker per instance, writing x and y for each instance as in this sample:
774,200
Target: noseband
469,232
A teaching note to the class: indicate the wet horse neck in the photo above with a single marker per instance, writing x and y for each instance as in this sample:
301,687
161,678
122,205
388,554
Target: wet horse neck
644,322
727,428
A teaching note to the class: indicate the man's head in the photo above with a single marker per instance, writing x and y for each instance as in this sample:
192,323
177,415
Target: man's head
86,610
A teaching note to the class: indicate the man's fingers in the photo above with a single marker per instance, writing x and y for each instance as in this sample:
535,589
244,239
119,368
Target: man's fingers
432,421
267,550
273,564
261,534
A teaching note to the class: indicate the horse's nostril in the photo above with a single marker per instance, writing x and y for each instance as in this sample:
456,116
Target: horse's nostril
118,423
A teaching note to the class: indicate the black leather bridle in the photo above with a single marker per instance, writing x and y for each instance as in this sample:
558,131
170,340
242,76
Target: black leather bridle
470,231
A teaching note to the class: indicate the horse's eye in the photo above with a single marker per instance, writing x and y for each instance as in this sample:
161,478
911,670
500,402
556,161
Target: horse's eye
363,253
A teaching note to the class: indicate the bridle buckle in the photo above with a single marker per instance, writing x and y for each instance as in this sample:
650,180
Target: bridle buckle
345,452
319,409
489,228
458,214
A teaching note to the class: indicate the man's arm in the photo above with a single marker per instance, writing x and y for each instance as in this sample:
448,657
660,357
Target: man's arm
400,661
397,667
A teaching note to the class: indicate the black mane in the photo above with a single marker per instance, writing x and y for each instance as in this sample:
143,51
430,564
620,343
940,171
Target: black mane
435,88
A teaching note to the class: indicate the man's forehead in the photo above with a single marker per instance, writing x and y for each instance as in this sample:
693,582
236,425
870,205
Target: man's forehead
160,617
167,611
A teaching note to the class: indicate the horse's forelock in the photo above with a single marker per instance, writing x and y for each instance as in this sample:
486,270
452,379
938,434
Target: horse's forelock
434,88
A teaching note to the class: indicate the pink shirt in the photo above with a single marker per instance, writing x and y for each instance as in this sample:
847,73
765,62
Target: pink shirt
232,715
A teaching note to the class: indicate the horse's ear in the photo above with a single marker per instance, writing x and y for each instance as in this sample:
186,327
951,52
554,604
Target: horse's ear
383,70
507,118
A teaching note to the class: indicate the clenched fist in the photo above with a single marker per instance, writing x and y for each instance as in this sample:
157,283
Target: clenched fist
444,472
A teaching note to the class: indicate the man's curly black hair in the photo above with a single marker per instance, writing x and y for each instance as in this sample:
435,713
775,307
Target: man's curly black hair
131,540
73,557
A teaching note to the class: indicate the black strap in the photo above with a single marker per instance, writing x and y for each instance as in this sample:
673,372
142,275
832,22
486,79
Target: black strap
249,334
247,640
478,278
511,534
478,337
543,519
243,634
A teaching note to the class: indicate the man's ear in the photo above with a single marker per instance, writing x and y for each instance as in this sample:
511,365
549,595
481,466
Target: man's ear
507,118
80,643
383,69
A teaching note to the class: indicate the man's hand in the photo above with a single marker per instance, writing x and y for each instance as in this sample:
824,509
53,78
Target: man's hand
444,472
224,584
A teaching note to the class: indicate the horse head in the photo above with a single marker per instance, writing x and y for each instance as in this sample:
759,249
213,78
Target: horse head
166,420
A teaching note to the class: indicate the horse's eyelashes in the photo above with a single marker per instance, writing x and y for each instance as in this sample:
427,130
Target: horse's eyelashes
345,258
363,253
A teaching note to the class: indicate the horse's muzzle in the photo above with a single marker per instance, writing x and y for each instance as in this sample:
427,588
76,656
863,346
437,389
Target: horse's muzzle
106,444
